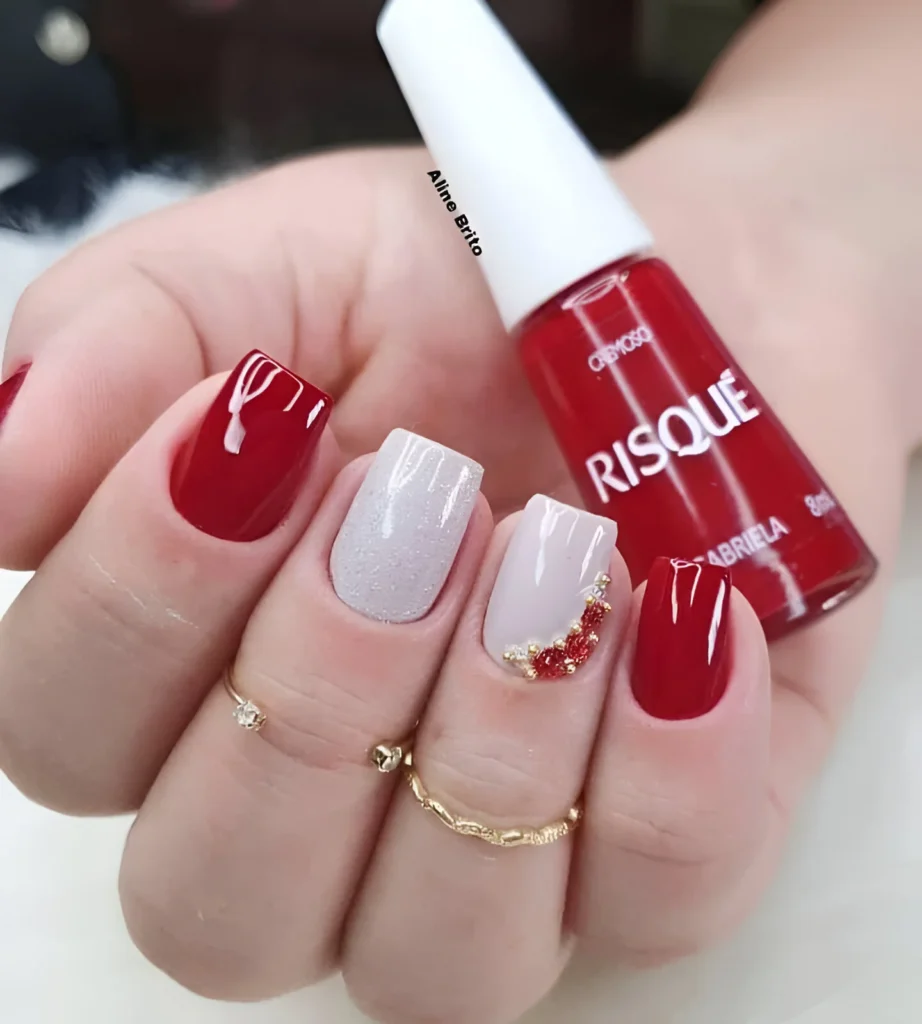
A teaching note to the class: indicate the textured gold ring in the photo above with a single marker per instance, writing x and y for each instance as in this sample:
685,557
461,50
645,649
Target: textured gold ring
246,714
388,757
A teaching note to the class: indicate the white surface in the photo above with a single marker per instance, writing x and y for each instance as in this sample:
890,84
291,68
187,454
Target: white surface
539,198
838,940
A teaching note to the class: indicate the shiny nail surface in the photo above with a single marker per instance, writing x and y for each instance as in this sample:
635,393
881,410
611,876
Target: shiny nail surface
548,604
9,389
239,475
400,537
681,664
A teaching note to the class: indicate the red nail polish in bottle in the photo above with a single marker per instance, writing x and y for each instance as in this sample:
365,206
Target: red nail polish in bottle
659,425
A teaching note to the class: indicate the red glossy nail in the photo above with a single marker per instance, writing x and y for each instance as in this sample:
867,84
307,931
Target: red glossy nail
9,389
681,664
238,477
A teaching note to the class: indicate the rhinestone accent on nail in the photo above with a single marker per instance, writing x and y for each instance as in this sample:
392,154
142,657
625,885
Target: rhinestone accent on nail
564,656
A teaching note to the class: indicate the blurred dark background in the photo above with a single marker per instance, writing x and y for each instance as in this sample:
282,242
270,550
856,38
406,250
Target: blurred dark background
271,76
92,88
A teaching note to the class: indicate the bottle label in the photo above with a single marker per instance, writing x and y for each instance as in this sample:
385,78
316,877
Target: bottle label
746,544
681,431
819,504
610,354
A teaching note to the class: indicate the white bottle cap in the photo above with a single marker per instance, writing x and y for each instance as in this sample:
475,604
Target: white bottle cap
536,194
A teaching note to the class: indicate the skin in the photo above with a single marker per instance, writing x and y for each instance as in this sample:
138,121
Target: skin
794,239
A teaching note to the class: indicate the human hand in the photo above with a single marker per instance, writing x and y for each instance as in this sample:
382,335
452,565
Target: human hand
243,863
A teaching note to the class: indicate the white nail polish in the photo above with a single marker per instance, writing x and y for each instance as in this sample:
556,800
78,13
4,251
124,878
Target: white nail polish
399,539
548,601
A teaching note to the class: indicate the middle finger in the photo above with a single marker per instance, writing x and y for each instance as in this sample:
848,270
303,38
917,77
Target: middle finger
448,927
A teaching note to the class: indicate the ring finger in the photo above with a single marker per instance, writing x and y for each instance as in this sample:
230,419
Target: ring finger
448,927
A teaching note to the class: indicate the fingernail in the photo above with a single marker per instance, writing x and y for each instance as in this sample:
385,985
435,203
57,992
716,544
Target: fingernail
681,661
238,477
548,604
399,539
9,389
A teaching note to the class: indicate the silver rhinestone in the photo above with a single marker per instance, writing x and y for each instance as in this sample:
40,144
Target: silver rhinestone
249,716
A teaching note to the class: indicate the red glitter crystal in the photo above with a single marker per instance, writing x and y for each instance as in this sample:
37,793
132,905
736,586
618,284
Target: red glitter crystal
551,663
579,647
593,615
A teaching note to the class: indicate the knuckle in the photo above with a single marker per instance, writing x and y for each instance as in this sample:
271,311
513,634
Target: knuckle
32,304
670,872
54,776
672,829
390,997
687,935
499,783
53,785
198,952
166,942
39,305
316,722
388,1004
375,1005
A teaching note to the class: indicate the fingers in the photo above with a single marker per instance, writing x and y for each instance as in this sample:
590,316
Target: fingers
311,261
249,848
85,394
118,331
680,830
110,648
447,927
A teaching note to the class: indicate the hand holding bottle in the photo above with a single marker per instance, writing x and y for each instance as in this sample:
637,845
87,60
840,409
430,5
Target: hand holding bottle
251,850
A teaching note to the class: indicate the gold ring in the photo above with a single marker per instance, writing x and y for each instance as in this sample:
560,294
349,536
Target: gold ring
246,714
388,757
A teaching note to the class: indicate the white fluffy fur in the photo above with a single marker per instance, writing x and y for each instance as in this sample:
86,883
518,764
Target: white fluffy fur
839,941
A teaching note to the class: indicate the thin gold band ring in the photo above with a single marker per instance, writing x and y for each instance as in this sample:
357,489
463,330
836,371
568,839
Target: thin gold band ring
246,714
388,757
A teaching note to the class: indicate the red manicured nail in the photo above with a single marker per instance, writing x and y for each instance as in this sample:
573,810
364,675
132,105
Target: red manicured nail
238,477
681,662
9,389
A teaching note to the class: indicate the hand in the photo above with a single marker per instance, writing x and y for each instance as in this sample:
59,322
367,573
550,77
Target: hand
241,873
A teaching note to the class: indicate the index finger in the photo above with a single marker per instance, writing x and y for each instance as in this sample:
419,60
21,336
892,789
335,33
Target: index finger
112,336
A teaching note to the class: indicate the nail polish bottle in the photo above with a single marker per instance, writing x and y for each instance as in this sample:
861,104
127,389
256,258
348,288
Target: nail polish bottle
660,426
